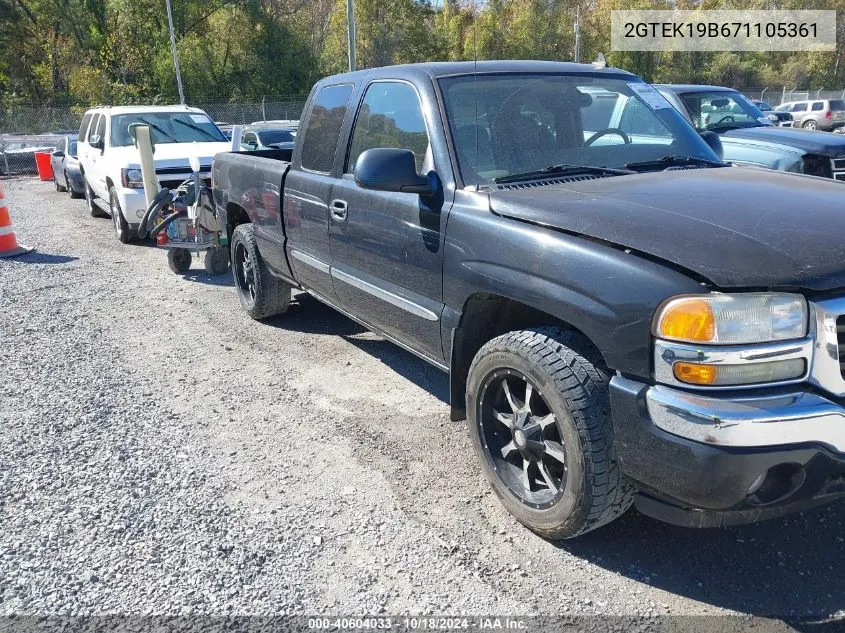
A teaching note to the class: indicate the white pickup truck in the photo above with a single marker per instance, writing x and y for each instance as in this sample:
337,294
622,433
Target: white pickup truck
111,166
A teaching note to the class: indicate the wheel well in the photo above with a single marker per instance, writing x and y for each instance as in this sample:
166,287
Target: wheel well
235,216
484,317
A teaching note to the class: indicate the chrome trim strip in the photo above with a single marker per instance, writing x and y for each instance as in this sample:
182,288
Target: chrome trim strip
826,372
381,293
667,353
316,201
440,365
312,261
791,418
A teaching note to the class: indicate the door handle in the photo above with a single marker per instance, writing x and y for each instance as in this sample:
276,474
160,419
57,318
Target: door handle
338,210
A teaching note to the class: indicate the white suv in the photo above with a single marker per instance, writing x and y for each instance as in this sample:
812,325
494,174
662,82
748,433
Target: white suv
111,166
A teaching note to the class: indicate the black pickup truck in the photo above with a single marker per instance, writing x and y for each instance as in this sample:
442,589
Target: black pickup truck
624,318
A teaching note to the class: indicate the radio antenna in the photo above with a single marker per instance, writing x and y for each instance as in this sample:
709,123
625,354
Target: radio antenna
475,86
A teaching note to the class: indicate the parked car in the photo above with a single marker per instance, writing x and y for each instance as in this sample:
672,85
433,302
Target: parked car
816,114
777,117
749,138
66,173
624,317
267,136
111,166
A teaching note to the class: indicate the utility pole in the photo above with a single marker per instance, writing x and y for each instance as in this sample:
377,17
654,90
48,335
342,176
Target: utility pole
350,29
577,35
175,55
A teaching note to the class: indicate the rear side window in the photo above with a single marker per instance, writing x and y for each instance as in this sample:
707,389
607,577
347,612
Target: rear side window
324,123
799,107
83,127
837,104
818,105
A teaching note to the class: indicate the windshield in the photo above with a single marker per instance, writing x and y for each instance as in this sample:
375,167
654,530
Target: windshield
271,137
722,110
763,106
508,124
166,127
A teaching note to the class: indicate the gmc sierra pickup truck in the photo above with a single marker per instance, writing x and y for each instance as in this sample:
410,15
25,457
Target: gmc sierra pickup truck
624,317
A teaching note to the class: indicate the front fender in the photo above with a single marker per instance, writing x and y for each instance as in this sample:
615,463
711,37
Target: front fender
608,293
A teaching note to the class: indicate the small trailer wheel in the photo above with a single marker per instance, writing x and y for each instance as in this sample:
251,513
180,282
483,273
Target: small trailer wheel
179,260
216,261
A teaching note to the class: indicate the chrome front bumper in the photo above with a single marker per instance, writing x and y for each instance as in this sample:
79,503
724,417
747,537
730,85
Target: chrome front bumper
748,421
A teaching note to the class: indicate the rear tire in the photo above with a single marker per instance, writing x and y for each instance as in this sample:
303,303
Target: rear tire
261,294
810,125
179,260
551,459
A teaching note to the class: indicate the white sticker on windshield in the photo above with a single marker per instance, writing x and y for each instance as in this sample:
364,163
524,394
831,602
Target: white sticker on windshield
199,118
650,95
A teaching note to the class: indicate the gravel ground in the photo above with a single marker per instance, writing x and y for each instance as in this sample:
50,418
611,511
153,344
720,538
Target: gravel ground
161,453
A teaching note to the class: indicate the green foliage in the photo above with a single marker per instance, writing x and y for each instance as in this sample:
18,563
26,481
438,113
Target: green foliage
118,51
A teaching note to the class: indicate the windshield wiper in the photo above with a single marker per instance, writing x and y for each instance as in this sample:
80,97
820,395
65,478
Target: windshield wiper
667,161
197,128
562,169
157,129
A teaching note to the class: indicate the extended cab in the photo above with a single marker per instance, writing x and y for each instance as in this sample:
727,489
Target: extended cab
111,166
624,318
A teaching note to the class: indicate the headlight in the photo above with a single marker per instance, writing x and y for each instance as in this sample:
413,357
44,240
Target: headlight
132,178
727,319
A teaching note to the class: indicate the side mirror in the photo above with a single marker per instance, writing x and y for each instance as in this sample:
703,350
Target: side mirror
387,169
96,141
58,154
715,143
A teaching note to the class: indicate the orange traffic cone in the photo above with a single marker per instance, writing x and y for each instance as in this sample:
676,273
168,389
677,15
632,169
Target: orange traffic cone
9,246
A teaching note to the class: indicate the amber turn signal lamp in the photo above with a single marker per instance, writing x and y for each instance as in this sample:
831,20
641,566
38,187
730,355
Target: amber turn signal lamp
688,319
695,374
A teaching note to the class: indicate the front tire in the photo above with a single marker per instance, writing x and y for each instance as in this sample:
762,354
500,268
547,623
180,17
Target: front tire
179,260
121,227
261,294
539,417
93,209
69,188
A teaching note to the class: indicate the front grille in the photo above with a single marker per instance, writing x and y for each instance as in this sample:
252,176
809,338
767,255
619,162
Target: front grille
174,184
840,342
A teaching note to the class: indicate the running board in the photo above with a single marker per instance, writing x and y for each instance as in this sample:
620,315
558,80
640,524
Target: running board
104,206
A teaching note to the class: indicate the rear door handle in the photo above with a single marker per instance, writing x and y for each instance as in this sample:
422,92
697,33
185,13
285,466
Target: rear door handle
338,210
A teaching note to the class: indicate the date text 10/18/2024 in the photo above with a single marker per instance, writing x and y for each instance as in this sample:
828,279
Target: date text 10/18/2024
476,623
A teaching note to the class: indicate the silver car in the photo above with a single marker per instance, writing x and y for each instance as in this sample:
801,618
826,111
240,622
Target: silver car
818,114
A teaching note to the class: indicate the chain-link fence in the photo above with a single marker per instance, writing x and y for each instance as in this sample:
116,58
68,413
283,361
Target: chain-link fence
774,96
26,129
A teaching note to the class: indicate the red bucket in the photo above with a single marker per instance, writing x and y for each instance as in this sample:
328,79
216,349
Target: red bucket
42,162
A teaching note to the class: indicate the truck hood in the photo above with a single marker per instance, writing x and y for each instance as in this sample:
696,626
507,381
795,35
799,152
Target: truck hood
171,154
738,228
809,141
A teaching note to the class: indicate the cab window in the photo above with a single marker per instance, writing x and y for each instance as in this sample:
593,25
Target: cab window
390,116
818,105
